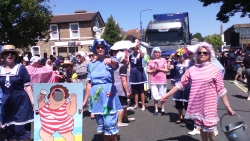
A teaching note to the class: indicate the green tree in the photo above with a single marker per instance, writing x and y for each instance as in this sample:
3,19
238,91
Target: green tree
24,22
214,40
229,8
198,36
112,31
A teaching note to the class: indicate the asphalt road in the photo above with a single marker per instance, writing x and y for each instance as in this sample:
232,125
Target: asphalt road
146,127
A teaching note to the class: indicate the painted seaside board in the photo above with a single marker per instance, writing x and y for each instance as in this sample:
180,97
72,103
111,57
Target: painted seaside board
58,115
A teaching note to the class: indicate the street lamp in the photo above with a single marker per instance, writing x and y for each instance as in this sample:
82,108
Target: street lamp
141,22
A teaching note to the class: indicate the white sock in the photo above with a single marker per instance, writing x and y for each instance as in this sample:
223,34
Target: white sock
156,111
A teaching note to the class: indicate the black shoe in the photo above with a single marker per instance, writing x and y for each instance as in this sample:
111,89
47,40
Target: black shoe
162,113
156,114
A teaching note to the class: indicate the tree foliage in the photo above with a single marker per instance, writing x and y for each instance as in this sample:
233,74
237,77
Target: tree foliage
229,8
198,36
112,31
24,22
214,40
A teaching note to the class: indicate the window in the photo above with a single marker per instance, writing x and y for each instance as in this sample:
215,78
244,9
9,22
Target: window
53,50
248,33
62,51
243,33
74,30
35,50
73,49
54,32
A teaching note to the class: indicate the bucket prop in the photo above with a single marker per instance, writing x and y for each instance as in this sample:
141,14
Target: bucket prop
235,131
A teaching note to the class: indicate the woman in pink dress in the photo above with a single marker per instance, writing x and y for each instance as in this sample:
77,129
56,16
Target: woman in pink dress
157,68
206,85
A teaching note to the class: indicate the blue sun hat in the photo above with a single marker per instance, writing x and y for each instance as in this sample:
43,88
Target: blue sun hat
98,42
155,49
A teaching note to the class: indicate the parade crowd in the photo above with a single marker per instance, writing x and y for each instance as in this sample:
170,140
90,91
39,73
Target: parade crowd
110,78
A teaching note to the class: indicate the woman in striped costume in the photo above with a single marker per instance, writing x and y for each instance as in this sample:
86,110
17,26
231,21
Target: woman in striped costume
206,84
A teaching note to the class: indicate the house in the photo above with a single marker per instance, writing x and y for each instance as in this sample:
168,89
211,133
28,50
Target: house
238,35
194,41
70,33
133,34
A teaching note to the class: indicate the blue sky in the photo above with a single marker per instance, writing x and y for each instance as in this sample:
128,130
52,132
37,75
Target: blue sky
127,12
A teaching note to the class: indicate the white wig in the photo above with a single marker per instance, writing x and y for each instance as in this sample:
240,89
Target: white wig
208,47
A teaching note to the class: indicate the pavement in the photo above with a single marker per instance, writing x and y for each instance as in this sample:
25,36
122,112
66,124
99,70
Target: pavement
146,127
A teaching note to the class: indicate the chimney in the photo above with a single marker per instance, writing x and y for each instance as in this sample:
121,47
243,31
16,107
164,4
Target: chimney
80,11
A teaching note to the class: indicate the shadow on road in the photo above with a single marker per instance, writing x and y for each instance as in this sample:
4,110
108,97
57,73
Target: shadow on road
98,137
130,112
180,138
173,117
86,113
240,97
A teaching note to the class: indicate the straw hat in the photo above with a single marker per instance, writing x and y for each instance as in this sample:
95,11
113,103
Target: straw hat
67,62
8,48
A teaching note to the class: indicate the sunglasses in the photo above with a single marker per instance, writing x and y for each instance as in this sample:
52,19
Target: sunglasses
98,47
91,55
204,53
9,52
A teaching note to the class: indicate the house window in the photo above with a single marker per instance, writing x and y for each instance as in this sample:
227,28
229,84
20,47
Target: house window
73,49
53,50
248,33
54,32
62,51
243,33
74,30
35,50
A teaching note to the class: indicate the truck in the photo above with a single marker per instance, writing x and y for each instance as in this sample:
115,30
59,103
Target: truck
168,31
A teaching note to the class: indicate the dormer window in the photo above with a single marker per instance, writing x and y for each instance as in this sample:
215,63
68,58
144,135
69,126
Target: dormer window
74,30
54,31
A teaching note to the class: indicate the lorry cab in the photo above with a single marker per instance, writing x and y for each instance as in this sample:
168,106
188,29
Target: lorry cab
168,31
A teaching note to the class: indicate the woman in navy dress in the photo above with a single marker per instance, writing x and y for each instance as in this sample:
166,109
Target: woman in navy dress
179,68
137,74
17,100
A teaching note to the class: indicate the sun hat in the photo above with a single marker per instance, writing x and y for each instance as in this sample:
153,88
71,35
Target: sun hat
192,48
67,62
34,59
98,42
8,48
83,54
155,49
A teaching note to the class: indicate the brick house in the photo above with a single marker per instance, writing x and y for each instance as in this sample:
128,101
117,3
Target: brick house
70,33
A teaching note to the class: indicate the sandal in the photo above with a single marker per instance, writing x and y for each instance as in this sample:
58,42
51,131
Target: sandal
122,125
179,121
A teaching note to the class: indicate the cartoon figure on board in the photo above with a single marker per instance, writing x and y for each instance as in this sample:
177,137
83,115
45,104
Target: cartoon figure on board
56,115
